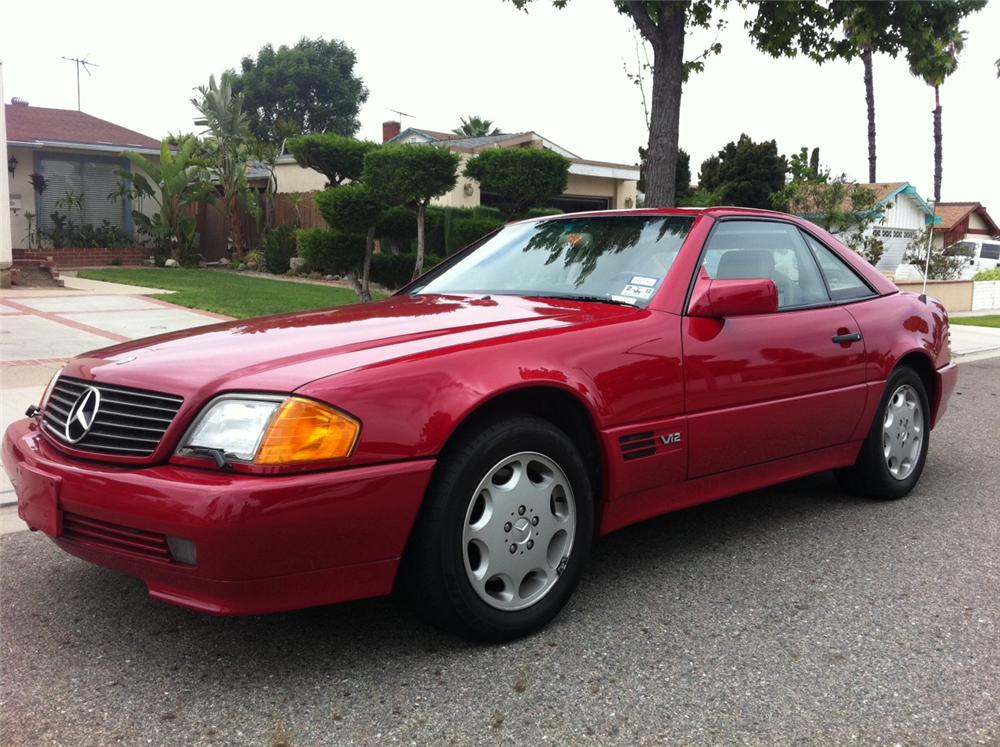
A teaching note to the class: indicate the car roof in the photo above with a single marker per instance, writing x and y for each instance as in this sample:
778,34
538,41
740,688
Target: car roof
718,210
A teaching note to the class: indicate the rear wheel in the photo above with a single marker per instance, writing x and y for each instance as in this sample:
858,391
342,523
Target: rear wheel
505,531
893,455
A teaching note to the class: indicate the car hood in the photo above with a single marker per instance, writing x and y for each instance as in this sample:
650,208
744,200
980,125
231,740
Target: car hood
283,353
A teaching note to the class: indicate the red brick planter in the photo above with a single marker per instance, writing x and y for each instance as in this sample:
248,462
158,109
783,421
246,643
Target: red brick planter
76,257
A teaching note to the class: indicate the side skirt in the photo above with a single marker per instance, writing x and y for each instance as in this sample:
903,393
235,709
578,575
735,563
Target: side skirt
629,509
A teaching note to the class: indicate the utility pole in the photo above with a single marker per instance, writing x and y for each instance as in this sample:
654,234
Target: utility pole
86,66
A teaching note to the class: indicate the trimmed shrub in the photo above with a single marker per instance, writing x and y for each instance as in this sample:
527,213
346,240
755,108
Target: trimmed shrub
396,270
398,225
331,251
993,274
467,230
542,212
279,248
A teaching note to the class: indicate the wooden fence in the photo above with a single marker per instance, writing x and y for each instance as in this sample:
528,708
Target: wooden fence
286,209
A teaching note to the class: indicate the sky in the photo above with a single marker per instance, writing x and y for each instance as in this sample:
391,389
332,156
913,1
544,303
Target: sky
557,72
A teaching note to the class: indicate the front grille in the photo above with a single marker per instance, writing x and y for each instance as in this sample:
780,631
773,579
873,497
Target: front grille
129,422
83,529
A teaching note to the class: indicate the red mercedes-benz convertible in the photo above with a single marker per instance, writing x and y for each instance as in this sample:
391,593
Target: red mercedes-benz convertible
466,439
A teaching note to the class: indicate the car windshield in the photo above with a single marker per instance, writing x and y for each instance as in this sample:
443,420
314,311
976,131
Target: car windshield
614,259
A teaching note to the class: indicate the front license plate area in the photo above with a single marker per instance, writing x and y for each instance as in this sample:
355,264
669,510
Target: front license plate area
38,500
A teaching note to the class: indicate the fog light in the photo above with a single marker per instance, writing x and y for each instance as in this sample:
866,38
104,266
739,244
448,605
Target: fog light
183,550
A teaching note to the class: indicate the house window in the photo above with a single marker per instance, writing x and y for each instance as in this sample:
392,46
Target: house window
78,187
990,251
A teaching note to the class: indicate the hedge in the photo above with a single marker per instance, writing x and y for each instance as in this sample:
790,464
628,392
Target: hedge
331,251
396,270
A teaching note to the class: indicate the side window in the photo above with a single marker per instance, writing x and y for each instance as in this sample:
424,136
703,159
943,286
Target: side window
762,249
990,251
844,283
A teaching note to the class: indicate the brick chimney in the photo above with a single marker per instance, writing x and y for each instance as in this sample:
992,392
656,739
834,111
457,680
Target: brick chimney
389,131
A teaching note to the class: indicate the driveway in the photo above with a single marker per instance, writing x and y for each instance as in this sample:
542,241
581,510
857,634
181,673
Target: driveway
788,615
41,328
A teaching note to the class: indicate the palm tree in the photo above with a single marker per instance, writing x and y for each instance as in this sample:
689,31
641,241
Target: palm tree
476,127
933,64
231,144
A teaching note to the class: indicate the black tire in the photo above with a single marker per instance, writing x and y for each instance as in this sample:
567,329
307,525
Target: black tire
433,576
869,476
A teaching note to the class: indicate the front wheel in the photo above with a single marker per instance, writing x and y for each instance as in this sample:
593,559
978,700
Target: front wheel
505,531
893,454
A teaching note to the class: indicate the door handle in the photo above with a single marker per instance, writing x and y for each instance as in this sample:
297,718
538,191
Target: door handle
847,338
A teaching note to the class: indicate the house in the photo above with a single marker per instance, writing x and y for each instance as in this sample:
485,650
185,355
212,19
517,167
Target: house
76,157
592,185
963,221
902,217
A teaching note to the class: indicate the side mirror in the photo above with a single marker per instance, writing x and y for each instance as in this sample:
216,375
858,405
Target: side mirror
733,297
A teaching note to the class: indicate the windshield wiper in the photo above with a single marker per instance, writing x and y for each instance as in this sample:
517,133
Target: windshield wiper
593,299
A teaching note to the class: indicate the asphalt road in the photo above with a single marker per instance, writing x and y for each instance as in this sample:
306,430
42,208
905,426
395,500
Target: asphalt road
789,615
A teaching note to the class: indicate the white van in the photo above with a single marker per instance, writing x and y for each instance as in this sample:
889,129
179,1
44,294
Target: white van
982,255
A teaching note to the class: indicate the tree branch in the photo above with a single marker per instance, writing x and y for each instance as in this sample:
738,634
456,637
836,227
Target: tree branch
637,9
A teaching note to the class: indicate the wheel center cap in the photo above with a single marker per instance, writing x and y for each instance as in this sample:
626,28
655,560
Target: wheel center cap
521,531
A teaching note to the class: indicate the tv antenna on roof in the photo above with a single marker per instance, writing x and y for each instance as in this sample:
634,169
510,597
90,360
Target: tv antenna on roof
401,115
86,66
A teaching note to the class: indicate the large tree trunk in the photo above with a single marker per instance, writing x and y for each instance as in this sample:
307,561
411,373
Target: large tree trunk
866,58
364,293
937,144
667,41
421,215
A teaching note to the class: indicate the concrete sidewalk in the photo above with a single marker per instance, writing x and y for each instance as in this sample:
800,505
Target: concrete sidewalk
41,328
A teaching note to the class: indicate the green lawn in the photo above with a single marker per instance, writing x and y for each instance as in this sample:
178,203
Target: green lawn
228,292
977,321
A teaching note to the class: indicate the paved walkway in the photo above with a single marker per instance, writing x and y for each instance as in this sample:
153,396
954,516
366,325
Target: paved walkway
41,328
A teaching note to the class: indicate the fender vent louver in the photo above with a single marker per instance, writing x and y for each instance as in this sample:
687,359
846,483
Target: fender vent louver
637,445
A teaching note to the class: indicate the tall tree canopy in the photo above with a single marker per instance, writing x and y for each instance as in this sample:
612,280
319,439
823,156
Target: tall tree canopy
857,28
310,87
745,173
476,126
665,25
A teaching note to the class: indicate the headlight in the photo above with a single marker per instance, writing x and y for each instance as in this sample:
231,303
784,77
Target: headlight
273,430
48,388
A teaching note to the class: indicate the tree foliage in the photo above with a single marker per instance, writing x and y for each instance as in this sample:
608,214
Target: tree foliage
838,204
476,126
307,88
229,145
175,181
337,157
944,263
521,178
413,175
746,173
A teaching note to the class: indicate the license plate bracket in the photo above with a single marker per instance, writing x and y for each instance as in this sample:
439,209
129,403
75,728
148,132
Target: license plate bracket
38,500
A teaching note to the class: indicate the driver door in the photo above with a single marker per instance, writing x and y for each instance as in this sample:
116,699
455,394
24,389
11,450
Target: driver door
767,386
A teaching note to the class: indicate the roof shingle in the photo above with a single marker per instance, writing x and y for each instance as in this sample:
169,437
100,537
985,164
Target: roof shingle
30,123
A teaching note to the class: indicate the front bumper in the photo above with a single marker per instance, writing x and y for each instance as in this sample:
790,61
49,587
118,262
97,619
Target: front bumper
947,378
264,543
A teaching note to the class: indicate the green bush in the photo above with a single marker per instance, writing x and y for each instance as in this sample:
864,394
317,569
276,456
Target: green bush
396,270
467,230
279,248
442,236
542,212
993,274
331,251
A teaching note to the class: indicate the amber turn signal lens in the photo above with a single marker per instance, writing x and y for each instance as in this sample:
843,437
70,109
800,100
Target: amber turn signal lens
306,431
